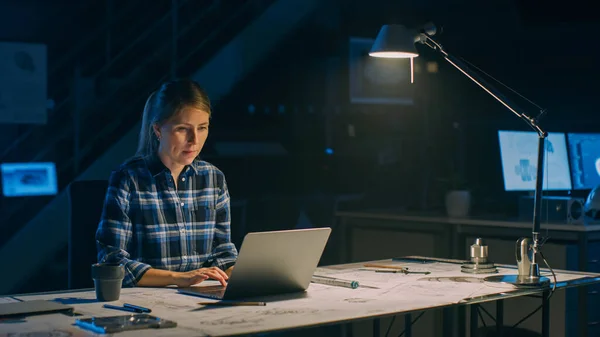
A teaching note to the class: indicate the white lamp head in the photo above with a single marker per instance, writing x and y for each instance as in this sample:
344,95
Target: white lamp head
395,41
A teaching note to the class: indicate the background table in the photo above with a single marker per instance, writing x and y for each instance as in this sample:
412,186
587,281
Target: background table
572,247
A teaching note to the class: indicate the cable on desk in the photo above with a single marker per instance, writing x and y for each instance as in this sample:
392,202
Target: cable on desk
411,323
549,295
553,274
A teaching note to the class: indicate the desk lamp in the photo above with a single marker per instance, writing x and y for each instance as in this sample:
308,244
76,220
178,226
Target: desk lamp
396,41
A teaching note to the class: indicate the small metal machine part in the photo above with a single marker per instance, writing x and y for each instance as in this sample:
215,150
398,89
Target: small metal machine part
479,263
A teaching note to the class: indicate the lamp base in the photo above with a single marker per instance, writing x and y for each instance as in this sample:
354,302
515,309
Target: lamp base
520,280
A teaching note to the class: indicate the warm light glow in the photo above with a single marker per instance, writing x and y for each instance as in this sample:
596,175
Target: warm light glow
393,54
432,67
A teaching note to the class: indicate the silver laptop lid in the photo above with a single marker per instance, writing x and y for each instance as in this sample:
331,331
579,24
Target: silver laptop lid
276,262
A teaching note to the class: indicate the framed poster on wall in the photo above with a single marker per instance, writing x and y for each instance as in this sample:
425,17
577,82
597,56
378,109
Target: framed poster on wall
377,80
23,83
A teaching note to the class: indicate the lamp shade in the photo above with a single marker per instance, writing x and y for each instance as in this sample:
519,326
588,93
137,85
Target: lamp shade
394,41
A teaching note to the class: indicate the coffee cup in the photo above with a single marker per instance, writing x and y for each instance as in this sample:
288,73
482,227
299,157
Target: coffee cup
108,278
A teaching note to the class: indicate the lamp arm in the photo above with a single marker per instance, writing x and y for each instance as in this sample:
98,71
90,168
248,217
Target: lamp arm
478,79
532,122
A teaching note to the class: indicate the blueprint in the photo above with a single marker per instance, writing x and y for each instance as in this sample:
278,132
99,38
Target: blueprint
378,294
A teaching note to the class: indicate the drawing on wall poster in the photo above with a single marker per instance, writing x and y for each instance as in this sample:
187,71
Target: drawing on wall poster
376,80
23,84
28,179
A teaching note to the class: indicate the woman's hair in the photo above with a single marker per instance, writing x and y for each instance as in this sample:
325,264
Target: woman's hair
164,104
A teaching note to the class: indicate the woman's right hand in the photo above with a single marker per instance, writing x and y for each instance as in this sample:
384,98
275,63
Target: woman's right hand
186,279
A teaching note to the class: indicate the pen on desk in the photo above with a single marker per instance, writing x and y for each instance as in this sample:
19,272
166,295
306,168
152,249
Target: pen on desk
394,271
334,281
374,265
137,307
110,306
403,271
242,303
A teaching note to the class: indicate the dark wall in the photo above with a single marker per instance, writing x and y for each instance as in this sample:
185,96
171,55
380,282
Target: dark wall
398,151
453,124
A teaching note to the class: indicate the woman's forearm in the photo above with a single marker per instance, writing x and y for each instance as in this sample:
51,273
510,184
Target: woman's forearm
157,278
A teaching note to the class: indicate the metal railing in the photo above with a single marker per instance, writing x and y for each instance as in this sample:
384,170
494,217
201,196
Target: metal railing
120,108
76,54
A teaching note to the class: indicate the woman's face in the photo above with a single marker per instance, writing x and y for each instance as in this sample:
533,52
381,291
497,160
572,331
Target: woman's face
182,137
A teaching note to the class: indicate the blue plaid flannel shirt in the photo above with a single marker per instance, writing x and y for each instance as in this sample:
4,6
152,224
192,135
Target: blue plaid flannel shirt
146,222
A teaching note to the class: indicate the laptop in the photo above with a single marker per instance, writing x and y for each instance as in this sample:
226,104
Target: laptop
270,263
33,307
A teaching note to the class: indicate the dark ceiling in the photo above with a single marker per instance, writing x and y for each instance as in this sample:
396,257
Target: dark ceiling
535,12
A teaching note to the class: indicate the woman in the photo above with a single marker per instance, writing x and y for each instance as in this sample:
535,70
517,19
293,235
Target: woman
166,212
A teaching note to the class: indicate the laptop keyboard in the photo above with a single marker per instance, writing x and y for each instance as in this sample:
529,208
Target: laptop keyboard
216,292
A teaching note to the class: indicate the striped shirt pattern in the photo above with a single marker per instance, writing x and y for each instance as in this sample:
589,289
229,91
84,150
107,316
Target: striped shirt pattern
147,222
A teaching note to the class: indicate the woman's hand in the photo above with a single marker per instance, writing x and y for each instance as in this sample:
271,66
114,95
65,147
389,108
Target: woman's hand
186,279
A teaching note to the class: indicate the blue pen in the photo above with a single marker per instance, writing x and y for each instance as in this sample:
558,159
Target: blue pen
110,306
127,308
137,307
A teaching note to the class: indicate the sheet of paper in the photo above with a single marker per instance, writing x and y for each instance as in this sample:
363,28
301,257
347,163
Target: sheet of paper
44,325
8,299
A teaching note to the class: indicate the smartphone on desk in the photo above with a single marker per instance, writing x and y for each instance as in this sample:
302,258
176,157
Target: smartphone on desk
112,324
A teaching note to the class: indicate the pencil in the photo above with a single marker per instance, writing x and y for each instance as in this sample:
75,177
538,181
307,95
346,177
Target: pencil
374,265
395,271
233,303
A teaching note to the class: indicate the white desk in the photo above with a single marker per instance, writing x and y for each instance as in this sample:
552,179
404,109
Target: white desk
392,294
450,236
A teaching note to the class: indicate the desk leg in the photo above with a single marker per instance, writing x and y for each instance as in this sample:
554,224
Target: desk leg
450,314
459,245
376,327
474,320
546,315
408,325
448,321
348,243
500,317
346,330
343,243
582,316
462,319
454,243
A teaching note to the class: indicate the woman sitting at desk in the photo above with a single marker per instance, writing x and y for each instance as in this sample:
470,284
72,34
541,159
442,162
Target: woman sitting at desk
166,212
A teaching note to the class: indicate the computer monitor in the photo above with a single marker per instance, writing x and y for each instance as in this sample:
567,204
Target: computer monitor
584,155
518,152
28,179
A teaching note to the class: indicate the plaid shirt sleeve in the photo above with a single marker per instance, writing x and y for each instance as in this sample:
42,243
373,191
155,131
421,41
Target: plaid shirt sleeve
115,229
224,251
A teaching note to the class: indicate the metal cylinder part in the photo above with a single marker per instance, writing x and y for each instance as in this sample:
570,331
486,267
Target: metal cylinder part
479,251
479,263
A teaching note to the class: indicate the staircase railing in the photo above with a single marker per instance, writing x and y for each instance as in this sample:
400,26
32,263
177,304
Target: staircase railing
120,107
60,74
131,99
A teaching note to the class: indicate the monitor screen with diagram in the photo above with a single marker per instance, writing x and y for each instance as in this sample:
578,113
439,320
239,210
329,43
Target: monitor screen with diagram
518,152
